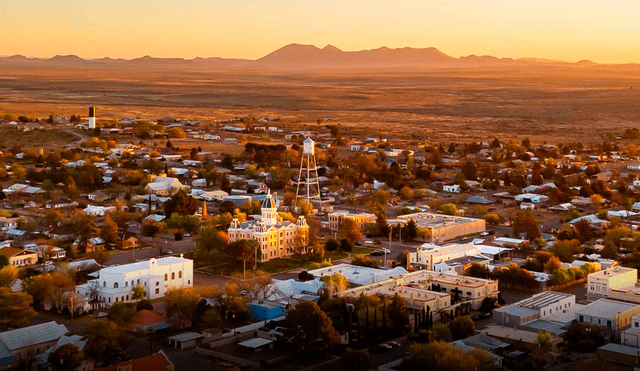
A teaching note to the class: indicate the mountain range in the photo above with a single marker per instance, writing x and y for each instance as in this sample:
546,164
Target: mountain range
300,57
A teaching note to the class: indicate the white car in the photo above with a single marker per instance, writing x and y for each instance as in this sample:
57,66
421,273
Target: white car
102,314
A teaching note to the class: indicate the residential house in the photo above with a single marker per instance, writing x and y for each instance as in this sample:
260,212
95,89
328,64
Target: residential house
610,315
17,345
20,257
164,186
155,362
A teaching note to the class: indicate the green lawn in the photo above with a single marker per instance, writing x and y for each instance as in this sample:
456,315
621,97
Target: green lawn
278,265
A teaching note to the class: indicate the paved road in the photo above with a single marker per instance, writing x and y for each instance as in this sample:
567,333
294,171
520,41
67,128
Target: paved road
167,243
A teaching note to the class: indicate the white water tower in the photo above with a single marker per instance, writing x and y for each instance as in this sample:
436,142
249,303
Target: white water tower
308,174
92,117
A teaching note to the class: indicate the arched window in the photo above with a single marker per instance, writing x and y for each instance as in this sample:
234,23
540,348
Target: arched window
104,283
180,274
133,283
109,300
126,283
116,299
166,277
127,297
138,281
173,275
115,285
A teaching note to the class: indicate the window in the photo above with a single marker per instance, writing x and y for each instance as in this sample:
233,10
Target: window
166,277
115,285
116,299
109,300
188,282
126,283
173,275
157,283
127,297
157,291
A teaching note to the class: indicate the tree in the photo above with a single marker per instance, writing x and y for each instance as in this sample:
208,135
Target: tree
257,285
176,133
492,218
312,327
346,245
584,229
462,327
406,193
305,276
15,309
364,261
526,222
53,217
4,260
552,264
101,256
398,314
109,230
138,292
211,244
144,304
8,274
182,204
448,209
122,313
469,171
350,230
424,233
55,287
441,356
67,357
150,228
412,229
442,331
181,303
84,227
243,251
356,360
331,245
105,341
566,249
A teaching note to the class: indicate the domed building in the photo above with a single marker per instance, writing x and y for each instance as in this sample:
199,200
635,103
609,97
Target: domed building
275,237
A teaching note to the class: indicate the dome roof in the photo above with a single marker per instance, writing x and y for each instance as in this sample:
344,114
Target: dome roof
269,202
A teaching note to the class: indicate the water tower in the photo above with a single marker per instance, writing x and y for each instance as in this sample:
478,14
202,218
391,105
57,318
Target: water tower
308,185
92,117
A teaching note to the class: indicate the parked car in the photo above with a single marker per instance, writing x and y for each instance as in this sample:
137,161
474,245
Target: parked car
381,252
102,315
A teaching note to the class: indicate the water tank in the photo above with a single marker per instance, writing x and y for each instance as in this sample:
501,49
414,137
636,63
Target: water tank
308,147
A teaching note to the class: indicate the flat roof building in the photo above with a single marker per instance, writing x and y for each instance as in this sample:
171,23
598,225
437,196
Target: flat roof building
446,227
600,284
613,315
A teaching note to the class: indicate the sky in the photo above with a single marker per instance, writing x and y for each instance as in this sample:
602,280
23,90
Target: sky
570,30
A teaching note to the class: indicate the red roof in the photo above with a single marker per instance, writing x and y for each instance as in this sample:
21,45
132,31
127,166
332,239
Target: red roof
147,317
154,362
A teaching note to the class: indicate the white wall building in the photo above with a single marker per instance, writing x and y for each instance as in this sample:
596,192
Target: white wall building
157,276
600,283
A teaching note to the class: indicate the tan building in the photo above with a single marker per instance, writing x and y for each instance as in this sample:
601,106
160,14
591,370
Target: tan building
602,284
130,243
446,227
361,219
275,237
20,257
611,315
442,293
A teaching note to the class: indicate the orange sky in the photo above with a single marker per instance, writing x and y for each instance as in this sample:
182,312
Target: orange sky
571,30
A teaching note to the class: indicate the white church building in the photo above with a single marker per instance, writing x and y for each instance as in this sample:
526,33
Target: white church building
157,276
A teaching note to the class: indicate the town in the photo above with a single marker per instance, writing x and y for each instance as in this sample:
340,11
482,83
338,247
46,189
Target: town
258,243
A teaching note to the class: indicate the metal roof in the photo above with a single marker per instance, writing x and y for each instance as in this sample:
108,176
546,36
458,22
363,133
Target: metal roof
32,335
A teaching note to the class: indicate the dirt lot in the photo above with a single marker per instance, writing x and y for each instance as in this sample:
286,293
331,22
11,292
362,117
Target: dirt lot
547,104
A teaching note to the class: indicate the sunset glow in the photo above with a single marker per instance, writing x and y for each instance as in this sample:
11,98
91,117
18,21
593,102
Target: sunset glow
571,30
